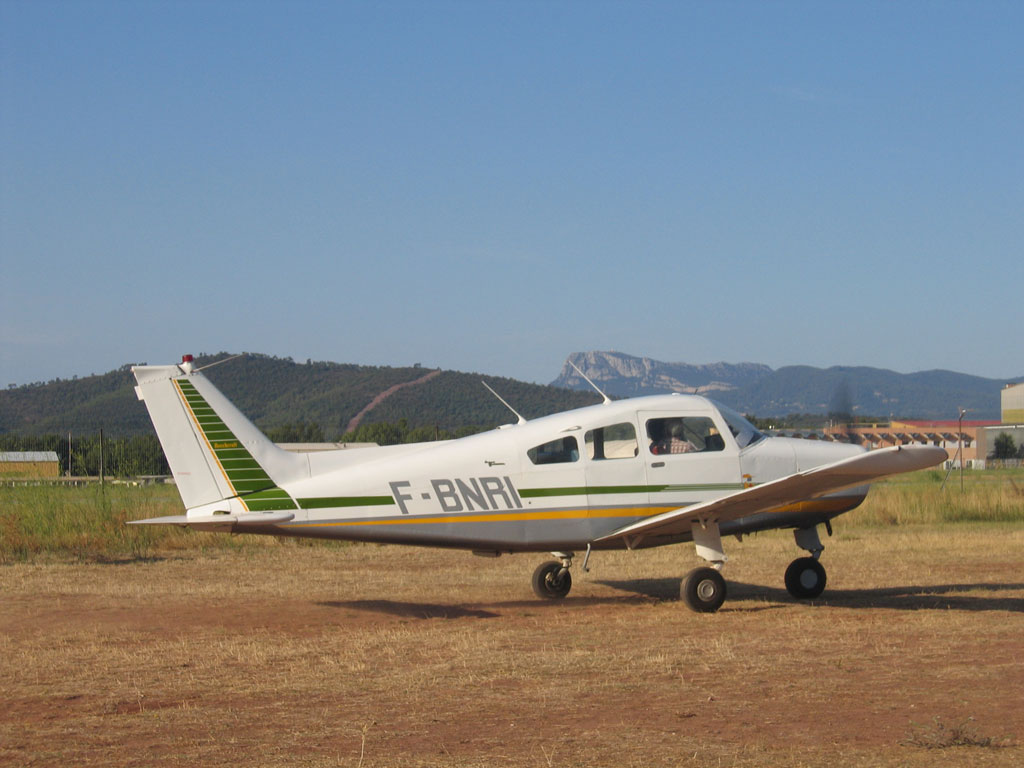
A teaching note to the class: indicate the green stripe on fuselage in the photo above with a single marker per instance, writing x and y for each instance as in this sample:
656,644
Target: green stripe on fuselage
327,502
594,490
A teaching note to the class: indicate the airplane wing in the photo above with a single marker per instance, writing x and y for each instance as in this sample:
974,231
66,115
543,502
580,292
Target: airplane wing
810,484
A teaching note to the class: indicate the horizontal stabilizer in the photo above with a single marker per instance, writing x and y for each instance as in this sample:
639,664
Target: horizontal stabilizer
802,486
219,522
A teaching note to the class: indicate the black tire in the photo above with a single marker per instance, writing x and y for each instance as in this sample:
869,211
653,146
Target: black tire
703,589
549,581
805,578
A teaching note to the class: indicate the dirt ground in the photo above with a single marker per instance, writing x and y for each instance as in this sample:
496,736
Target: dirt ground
293,655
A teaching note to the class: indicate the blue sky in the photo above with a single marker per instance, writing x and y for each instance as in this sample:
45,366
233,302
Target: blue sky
492,186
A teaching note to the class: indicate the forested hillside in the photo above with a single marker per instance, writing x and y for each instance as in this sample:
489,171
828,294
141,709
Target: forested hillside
280,395
317,400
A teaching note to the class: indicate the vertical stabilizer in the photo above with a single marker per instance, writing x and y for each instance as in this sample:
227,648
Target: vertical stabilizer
214,451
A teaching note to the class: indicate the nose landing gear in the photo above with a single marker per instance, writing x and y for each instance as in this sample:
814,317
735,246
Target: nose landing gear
805,577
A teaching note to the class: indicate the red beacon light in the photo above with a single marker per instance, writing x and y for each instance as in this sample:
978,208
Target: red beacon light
186,363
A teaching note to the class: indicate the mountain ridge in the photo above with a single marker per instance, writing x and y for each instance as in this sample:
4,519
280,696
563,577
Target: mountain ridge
755,388
276,392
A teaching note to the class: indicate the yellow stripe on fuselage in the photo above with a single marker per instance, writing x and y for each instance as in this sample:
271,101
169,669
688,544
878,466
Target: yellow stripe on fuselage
496,517
838,504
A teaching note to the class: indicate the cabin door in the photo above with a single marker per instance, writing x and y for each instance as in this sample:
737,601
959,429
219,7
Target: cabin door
688,457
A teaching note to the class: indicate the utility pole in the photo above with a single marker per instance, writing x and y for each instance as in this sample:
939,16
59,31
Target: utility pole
959,451
961,428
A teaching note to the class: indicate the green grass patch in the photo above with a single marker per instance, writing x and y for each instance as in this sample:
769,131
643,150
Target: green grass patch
988,496
89,522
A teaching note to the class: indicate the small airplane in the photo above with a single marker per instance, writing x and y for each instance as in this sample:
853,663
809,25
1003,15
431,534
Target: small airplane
635,473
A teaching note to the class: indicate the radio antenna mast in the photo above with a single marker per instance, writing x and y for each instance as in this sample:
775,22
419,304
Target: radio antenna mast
502,400
222,360
607,400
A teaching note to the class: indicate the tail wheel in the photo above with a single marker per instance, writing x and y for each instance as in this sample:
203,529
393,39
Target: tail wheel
703,589
552,580
805,578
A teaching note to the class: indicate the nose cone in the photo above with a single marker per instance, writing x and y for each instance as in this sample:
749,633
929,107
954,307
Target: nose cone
814,453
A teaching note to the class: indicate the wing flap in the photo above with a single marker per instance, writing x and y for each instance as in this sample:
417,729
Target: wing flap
810,484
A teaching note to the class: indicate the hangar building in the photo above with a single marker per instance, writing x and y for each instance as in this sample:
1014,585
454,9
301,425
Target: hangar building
29,464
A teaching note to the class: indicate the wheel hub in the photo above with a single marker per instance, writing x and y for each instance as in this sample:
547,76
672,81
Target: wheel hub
706,589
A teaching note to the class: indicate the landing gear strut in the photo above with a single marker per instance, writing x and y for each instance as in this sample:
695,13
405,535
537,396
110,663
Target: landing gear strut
552,580
805,577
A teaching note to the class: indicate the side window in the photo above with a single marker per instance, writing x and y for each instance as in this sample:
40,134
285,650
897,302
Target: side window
685,434
617,441
560,451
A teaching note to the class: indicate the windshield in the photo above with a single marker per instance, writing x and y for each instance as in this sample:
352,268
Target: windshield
744,432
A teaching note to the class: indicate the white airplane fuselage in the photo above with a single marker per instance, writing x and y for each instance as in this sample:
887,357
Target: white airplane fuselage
483,492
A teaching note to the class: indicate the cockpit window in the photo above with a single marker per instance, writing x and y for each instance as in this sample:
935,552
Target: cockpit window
562,450
617,441
683,434
744,432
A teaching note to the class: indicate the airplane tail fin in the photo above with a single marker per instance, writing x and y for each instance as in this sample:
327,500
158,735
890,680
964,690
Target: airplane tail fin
222,464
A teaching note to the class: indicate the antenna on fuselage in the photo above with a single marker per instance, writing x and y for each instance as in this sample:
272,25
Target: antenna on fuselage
607,400
502,400
222,360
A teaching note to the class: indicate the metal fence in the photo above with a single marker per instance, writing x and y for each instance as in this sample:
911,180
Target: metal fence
92,455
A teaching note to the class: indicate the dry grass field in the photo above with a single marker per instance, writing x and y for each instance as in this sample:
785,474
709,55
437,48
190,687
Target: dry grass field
283,654
121,646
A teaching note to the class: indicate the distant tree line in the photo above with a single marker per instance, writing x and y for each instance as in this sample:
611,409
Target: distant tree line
82,455
138,455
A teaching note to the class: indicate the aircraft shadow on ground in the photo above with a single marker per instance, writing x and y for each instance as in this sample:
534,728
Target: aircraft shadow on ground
911,598
412,610
915,598
485,611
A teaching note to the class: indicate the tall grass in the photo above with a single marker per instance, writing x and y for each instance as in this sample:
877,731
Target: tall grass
89,522
989,496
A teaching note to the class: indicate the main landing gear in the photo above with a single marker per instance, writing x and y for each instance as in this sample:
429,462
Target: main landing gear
703,589
552,580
